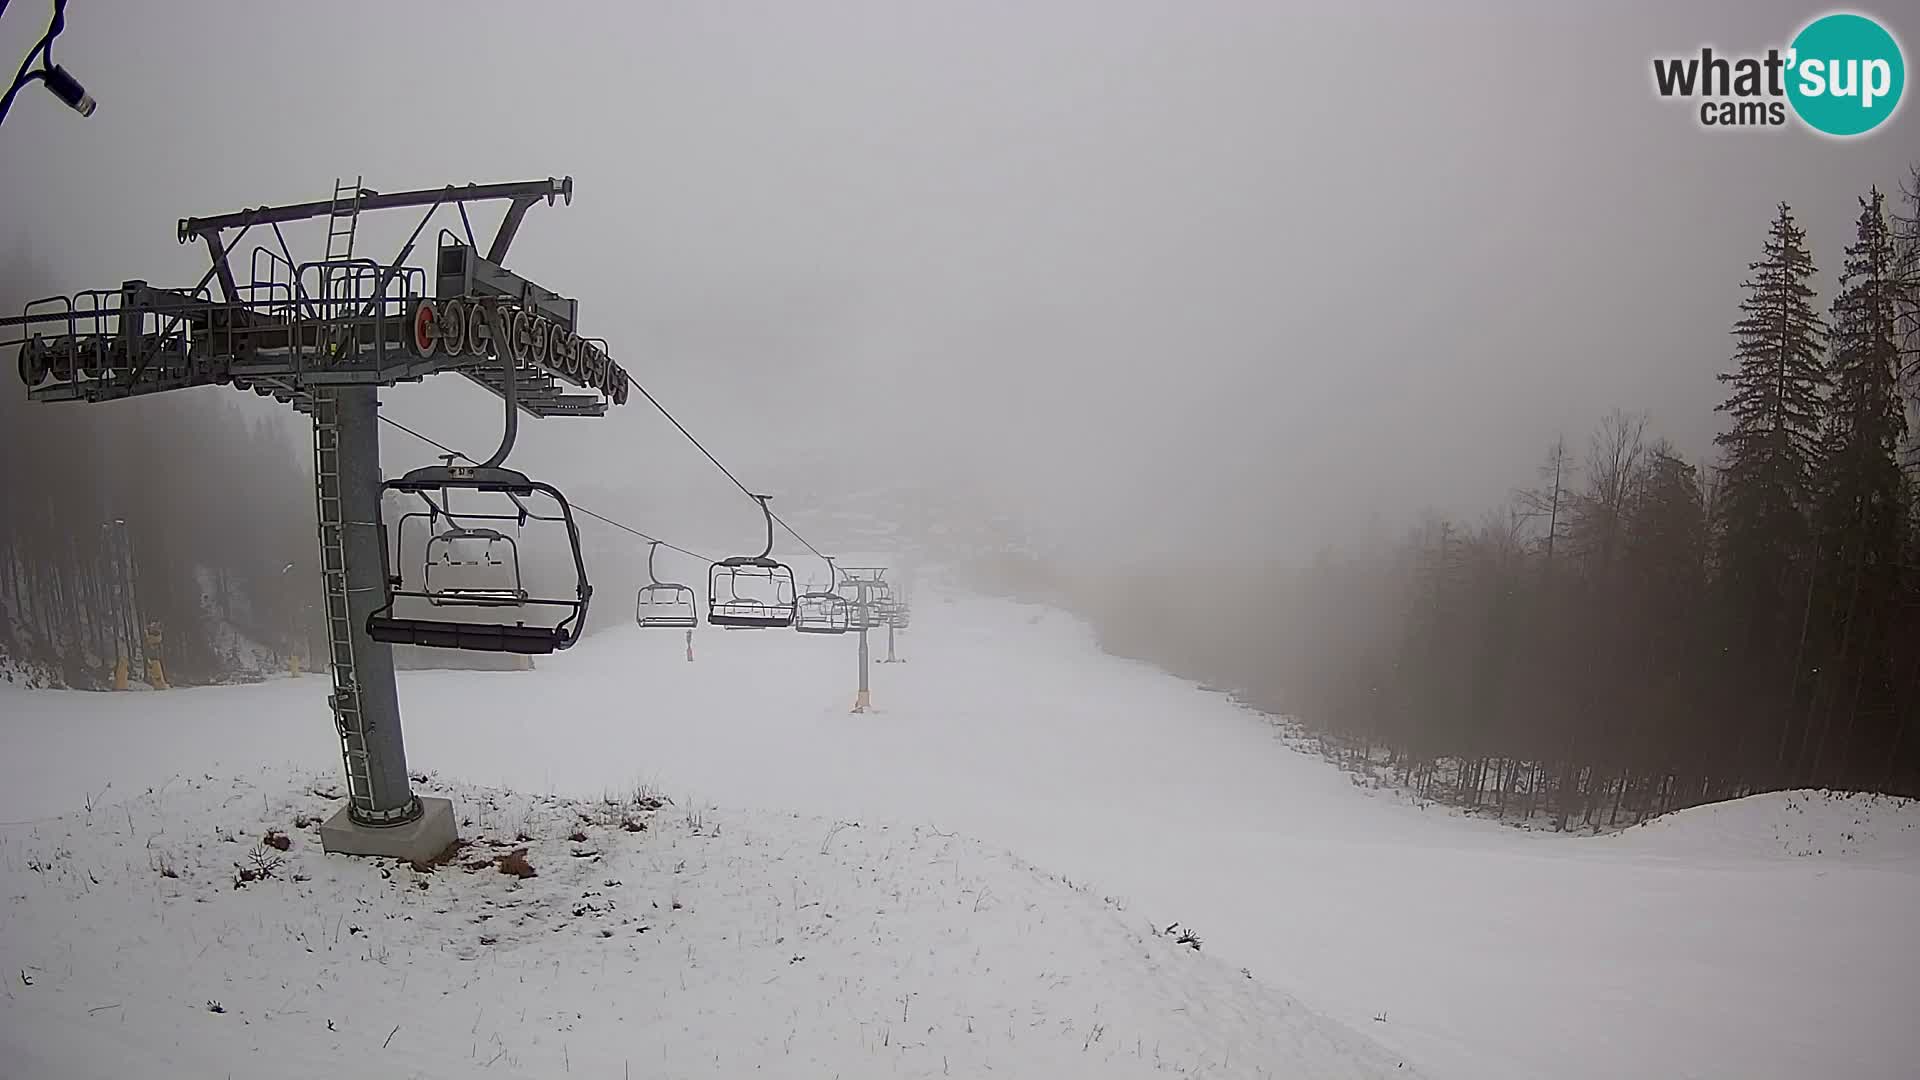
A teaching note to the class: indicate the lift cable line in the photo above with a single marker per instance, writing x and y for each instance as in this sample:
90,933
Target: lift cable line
643,536
744,489
822,611
444,448
697,444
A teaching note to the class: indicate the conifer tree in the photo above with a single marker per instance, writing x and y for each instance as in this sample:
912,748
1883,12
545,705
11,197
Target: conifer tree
1905,226
1669,720
1775,401
1767,480
1861,515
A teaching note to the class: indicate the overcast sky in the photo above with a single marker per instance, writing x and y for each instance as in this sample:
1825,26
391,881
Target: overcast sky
1152,274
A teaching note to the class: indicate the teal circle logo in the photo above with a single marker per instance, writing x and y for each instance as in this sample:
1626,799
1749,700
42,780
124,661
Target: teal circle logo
1846,74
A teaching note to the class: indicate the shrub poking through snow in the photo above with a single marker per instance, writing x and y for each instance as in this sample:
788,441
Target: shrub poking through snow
260,865
1183,935
278,840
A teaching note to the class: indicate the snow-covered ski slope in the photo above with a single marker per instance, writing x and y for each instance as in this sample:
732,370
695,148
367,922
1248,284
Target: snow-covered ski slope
648,940
1774,937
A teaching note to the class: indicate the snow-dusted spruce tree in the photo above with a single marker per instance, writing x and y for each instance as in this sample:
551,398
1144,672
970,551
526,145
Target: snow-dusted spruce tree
1769,455
1860,512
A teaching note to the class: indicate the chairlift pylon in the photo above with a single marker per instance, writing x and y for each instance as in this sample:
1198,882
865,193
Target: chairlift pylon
869,594
665,604
751,592
823,611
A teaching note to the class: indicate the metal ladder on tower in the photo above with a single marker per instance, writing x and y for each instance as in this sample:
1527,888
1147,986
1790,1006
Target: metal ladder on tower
343,219
337,279
345,700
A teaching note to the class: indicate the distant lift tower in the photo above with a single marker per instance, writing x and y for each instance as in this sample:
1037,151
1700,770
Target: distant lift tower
866,588
324,336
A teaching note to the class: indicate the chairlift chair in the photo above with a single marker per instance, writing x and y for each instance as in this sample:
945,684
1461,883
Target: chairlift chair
665,604
505,496
447,582
464,567
752,592
823,611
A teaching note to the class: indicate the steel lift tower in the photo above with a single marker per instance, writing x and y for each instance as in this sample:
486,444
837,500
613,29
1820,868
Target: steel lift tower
870,590
324,336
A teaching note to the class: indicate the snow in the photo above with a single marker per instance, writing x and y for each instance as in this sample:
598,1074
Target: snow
684,941
1772,937
1784,824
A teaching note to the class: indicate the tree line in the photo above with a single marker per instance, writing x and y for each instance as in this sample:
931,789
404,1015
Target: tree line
1636,632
